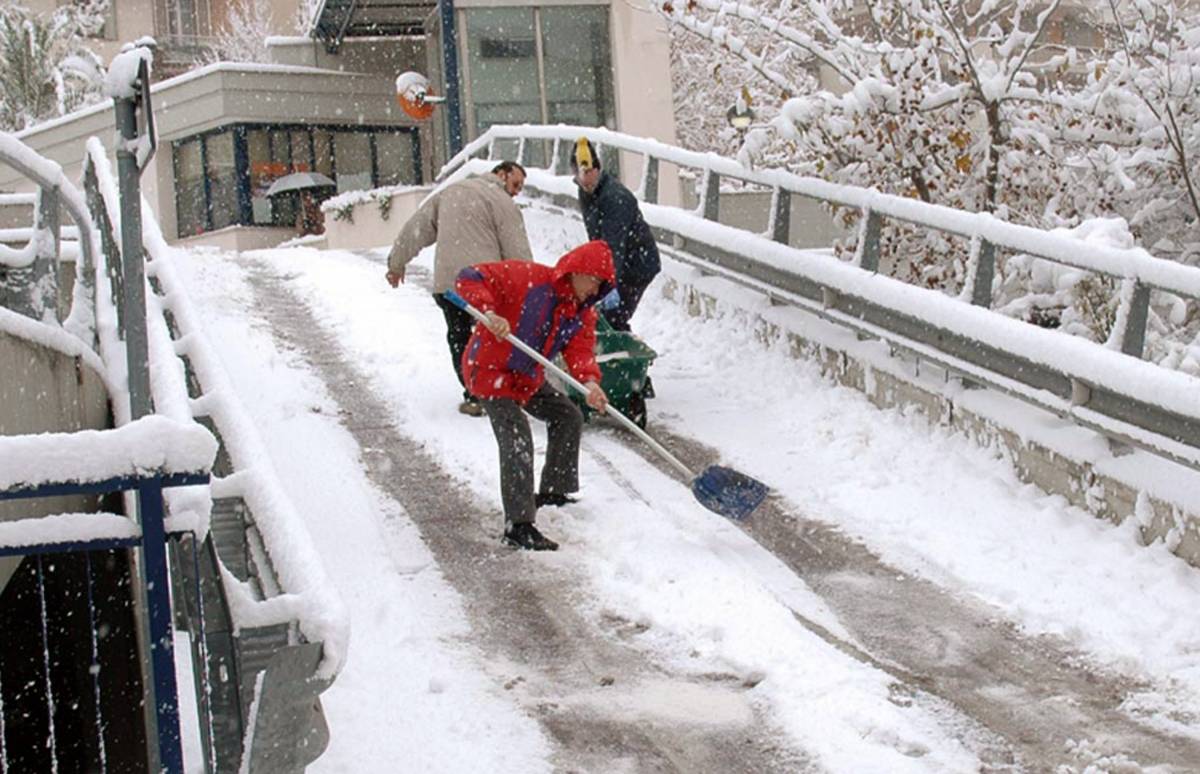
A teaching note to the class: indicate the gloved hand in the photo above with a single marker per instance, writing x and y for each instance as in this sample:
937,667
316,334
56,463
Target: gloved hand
610,301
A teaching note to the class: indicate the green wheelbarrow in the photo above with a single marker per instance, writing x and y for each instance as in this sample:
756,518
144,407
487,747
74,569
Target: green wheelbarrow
624,360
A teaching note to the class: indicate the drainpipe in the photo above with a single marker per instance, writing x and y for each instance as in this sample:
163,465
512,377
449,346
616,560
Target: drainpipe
450,69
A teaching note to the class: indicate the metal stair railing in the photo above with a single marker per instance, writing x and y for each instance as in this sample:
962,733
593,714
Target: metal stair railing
265,675
1157,409
107,462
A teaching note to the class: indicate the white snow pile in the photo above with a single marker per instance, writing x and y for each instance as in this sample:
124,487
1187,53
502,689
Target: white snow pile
122,79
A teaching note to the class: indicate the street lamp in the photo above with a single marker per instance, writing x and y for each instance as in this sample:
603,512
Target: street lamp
740,116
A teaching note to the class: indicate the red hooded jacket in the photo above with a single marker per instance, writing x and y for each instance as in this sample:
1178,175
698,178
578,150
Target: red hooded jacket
540,305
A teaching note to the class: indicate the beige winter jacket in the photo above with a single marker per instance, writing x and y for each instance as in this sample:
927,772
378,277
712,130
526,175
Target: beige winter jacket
472,221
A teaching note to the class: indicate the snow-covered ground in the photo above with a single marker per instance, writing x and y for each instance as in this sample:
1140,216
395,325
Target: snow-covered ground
416,689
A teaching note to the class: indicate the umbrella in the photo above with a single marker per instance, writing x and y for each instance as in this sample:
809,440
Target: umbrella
299,180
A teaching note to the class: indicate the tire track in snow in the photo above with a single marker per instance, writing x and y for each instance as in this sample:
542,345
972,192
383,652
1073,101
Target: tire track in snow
1046,701
579,678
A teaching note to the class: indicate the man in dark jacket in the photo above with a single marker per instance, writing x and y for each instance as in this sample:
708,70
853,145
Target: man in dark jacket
610,212
550,309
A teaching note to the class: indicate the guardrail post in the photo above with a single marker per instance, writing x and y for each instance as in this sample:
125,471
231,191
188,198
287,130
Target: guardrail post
43,278
129,174
650,179
985,273
781,215
32,290
556,163
1133,338
521,151
868,242
156,580
108,243
712,195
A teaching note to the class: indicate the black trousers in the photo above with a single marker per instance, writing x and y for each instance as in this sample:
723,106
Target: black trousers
630,293
514,440
458,333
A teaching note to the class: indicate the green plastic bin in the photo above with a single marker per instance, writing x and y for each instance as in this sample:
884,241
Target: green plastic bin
624,361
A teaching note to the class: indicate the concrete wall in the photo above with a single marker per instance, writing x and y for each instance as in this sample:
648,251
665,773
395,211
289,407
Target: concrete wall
237,238
368,228
642,73
810,224
45,391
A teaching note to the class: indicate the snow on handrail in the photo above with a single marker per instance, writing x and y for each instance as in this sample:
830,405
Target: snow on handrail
151,446
1127,263
310,598
49,175
67,528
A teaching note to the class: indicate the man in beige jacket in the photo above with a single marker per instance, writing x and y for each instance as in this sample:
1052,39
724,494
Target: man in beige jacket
473,221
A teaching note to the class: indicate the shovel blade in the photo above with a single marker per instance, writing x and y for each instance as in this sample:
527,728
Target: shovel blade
727,492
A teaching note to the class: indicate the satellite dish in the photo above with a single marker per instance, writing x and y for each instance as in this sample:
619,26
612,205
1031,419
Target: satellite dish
412,91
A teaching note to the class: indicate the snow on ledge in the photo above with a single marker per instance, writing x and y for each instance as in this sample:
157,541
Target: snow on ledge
67,528
121,81
149,446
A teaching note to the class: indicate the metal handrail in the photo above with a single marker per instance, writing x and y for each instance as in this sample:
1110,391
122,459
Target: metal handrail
1068,375
284,666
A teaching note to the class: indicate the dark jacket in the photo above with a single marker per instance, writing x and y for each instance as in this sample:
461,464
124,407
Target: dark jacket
541,308
611,213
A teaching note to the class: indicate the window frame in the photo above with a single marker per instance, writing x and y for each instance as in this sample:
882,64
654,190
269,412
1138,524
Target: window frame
276,133
470,118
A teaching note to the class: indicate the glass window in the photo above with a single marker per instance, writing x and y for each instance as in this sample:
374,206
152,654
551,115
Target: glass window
394,158
301,152
262,173
502,67
575,47
216,174
222,180
189,189
323,151
352,150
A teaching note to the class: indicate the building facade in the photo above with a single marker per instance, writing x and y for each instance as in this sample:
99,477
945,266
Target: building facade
325,102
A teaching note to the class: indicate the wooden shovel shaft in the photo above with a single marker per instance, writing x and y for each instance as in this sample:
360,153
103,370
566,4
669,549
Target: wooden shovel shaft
566,377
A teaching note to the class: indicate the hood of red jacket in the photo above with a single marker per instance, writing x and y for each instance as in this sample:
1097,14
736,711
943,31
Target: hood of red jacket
594,258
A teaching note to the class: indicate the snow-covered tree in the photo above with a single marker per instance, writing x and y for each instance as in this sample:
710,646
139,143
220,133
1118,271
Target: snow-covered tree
48,69
980,105
1143,106
942,100
243,36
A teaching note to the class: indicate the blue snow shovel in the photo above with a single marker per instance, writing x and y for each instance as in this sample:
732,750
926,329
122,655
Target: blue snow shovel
719,489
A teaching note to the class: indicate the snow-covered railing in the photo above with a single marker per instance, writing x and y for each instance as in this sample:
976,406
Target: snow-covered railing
279,632
1135,267
29,275
1112,391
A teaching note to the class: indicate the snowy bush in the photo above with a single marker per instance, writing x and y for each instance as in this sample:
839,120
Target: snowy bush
48,68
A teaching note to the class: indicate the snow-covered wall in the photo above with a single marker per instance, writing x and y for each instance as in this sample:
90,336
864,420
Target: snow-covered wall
48,387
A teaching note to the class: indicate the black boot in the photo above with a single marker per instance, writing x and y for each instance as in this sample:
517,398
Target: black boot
553,498
527,537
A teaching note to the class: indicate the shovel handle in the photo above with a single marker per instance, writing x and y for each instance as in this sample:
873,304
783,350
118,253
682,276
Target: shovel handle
629,424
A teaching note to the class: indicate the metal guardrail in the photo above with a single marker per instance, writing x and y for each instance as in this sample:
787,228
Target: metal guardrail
264,678
29,276
257,686
80,534
1072,377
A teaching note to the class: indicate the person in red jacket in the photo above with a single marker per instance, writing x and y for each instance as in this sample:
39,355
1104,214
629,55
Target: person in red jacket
551,310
